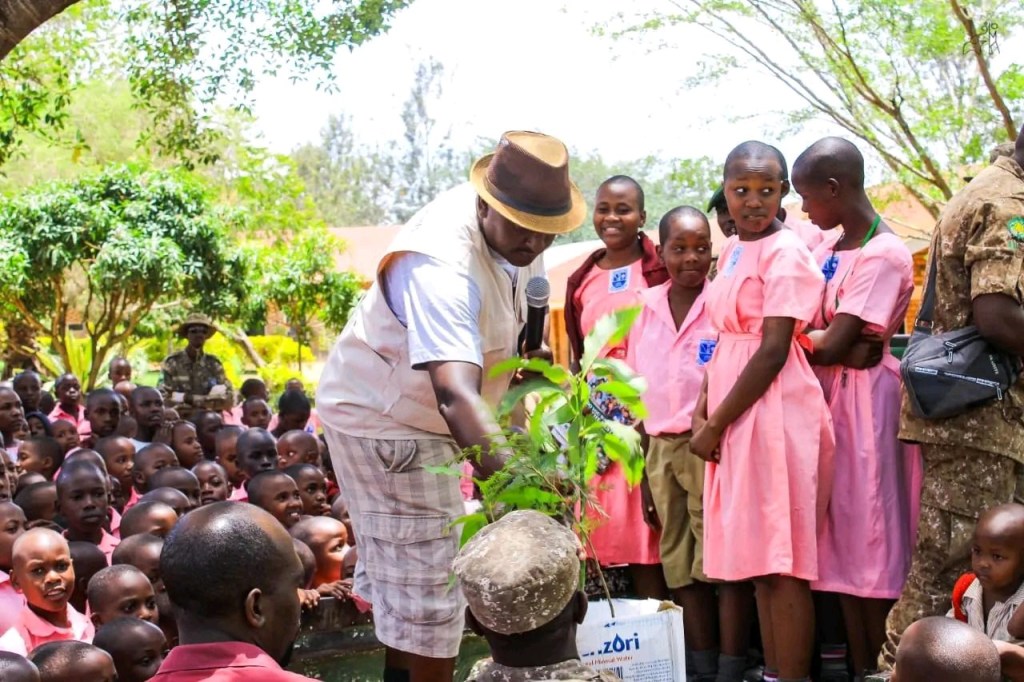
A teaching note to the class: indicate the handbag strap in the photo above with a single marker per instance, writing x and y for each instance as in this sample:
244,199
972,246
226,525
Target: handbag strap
926,314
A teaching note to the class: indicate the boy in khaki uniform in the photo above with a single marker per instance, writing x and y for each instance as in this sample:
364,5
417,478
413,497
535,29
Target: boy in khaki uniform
972,461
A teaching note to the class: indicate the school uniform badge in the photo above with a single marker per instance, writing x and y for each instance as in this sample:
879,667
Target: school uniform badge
1015,226
618,280
705,351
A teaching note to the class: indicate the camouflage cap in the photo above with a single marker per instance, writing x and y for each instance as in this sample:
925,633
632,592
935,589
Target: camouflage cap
519,573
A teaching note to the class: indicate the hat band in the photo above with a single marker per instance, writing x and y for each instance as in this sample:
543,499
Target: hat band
526,206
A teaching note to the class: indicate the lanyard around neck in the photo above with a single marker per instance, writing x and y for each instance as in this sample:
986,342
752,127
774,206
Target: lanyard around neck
871,233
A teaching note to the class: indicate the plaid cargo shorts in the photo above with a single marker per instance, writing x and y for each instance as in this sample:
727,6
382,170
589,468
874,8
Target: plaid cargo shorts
401,515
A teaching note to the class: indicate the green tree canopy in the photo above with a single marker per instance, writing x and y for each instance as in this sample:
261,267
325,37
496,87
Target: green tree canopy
929,85
179,57
301,280
102,250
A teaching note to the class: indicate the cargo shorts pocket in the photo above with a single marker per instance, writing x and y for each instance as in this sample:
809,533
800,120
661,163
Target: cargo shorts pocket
408,559
395,456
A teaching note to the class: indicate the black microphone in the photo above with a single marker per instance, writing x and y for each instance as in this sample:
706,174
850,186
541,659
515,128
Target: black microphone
537,292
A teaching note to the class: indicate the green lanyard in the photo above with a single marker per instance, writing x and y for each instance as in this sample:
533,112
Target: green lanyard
871,233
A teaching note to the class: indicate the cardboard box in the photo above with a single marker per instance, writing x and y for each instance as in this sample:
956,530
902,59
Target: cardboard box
642,643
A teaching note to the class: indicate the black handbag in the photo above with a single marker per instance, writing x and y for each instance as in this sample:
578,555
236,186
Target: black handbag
948,374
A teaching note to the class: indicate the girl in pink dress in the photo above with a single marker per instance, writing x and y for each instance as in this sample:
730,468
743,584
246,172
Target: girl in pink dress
762,422
865,546
612,279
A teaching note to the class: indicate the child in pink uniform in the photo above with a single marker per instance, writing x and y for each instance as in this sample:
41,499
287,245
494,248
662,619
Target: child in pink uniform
610,280
767,435
44,574
865,547
670,345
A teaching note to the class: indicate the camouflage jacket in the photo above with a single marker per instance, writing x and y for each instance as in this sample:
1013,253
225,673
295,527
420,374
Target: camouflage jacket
566,671
179,374
979,244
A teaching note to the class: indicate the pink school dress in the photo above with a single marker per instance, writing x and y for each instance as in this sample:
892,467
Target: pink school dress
622,537
865,545
765,499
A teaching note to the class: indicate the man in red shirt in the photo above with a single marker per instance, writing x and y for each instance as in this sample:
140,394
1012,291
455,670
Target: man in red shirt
232,573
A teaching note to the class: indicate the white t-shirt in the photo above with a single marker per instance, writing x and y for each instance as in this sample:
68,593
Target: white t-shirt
439,306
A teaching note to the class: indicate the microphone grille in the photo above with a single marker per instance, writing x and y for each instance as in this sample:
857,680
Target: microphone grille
538,290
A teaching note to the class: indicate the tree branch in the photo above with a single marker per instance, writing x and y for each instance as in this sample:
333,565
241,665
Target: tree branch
842,62
18,18
986,75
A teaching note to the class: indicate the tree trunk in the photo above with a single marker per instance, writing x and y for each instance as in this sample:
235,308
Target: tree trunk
18,18
20,346
242,339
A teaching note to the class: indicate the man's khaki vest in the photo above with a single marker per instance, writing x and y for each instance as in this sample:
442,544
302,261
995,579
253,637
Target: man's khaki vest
368,388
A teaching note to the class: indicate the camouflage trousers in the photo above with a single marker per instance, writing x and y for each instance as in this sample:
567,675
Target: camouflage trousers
959,484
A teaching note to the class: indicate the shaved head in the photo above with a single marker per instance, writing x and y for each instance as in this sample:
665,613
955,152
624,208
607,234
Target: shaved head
753,151
629,182
681,213
34,541
831,157
218,553
945,649
1005,522
17,668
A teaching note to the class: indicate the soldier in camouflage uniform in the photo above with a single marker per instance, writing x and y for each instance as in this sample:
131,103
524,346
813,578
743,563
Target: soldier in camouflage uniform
192,380
971,461
520,577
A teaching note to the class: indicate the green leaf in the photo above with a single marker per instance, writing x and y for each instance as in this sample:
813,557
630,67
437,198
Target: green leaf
540,424
517,393
620,389
608,330
530,498
449,470
471,525
513,364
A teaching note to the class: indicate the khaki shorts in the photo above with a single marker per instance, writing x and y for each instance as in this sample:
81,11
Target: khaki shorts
401,515
676,477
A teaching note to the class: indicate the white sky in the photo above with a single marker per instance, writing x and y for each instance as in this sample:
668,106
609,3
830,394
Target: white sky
536,64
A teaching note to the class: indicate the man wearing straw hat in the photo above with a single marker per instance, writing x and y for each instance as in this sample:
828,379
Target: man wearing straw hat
190,379
408,385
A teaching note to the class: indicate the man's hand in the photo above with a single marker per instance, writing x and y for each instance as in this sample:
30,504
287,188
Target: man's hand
542,353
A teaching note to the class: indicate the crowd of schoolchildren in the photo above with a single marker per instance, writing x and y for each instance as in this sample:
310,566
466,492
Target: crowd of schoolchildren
91,487
770,377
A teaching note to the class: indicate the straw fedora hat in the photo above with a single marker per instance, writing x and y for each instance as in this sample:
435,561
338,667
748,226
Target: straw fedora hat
526,180
195,320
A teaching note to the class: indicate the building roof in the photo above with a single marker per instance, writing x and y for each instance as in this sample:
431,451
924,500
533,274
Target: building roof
365,246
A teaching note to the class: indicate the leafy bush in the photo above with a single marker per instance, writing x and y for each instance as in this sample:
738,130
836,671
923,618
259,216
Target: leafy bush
277,349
